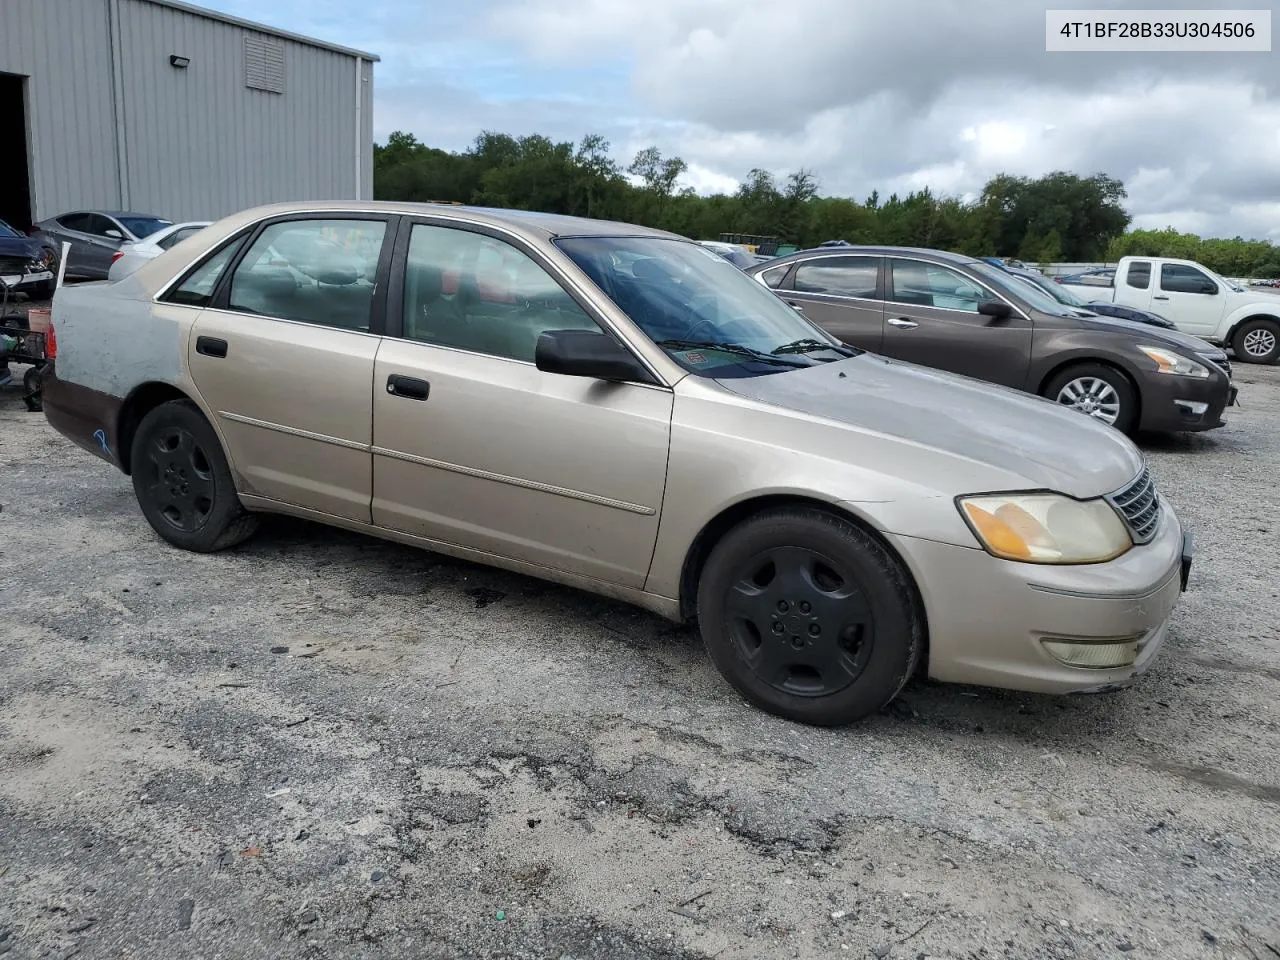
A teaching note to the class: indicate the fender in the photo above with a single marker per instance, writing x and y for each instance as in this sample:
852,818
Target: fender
1254,308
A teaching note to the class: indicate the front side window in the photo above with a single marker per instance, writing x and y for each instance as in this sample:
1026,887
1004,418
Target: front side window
75,221
1180,278
838,276
471,292
933,285
311,271
1139,275
100,226
709,316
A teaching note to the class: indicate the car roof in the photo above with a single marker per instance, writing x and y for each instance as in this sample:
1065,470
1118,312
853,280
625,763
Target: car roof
944,256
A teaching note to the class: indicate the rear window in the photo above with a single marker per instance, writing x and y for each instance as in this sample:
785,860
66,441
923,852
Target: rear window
1139,275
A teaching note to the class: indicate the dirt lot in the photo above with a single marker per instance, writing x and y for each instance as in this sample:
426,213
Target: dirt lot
324,746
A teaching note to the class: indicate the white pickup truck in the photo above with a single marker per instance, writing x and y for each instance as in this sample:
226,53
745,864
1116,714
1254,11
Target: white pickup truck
1199,302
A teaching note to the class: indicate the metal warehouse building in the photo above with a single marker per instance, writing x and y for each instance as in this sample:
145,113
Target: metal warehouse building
164,108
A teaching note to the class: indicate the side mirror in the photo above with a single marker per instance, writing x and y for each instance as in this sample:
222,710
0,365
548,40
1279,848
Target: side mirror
996,309
587,353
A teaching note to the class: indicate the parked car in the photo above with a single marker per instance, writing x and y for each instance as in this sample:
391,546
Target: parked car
735,253
1009,263
1101,277
1202,303
630,418
26,265
94,236
957,313
133,255
1066,295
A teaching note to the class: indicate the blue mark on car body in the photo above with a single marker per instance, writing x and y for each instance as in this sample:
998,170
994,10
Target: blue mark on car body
101,437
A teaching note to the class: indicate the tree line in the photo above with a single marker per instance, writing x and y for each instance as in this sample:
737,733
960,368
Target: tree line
1058,217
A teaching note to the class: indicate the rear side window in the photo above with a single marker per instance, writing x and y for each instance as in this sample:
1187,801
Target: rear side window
838,276
197,289
75,221
1139,276
311,271
1179,278
774,275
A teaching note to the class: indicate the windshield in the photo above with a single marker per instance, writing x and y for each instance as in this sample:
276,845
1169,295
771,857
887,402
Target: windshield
1028,293
144,226
1055,290
709,316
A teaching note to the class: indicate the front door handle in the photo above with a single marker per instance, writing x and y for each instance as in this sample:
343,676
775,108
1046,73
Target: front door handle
796,306
902,323
1159,296
211,346
411,388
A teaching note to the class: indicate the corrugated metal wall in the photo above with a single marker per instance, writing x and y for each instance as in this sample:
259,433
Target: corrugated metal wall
196,143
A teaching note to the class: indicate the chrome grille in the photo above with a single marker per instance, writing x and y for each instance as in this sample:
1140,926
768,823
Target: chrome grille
1139,506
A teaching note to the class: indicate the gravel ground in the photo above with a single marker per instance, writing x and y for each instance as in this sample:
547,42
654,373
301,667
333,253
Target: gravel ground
324,746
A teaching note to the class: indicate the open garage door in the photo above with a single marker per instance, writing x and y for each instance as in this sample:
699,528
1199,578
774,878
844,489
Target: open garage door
15,150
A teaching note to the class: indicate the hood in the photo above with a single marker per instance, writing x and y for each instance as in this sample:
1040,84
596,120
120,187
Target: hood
1037,443
20,247
1156,336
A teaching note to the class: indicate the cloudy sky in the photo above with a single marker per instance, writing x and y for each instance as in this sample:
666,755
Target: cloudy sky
877,94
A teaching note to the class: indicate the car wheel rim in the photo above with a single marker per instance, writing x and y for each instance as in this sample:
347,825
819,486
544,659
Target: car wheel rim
180,482
800,622
1092,396
1259,343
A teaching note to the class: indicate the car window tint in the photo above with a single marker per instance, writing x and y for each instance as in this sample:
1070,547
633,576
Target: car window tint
197,289
1139,275
838,276
931,285
476,293
1179,278
75,221
312,271
774,275
98,225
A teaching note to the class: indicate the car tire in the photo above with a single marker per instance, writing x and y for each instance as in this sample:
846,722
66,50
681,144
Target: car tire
31,390
183,482
1097,390
809,617
1257,341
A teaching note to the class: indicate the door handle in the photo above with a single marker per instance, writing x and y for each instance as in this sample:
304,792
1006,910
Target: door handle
211,346
1159,296
796,306
411,388
902,323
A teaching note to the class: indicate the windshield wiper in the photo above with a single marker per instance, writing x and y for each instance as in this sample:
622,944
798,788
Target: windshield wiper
729,348
809,344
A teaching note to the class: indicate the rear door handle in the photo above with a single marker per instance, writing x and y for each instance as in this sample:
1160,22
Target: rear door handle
902,323
211,346
796,306
411,388
1159,296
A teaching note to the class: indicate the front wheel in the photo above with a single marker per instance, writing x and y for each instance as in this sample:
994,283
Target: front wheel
1098,391
183,482
1257,341
809,617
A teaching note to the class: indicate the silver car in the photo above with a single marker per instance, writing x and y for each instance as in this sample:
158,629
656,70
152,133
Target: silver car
94,236
133,255
622,410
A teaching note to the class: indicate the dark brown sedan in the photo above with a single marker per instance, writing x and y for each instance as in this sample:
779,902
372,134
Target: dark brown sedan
960,314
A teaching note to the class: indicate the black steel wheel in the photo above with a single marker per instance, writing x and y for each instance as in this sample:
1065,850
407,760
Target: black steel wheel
809,617
183,483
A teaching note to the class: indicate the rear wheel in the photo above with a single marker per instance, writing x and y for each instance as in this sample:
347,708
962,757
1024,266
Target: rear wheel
809,617
1257,341
1098,391
183,482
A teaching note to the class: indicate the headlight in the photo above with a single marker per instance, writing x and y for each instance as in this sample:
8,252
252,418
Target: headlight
1046,527
1169,362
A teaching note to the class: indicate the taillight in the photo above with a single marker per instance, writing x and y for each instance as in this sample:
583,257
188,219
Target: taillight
117,255
50,343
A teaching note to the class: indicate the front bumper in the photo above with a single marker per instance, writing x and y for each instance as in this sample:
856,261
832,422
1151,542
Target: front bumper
989,618
1174,404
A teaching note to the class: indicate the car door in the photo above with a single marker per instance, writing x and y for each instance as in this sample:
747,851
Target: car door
843,295
475,446
101,237
931,318
283,358
1189,297
73,228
